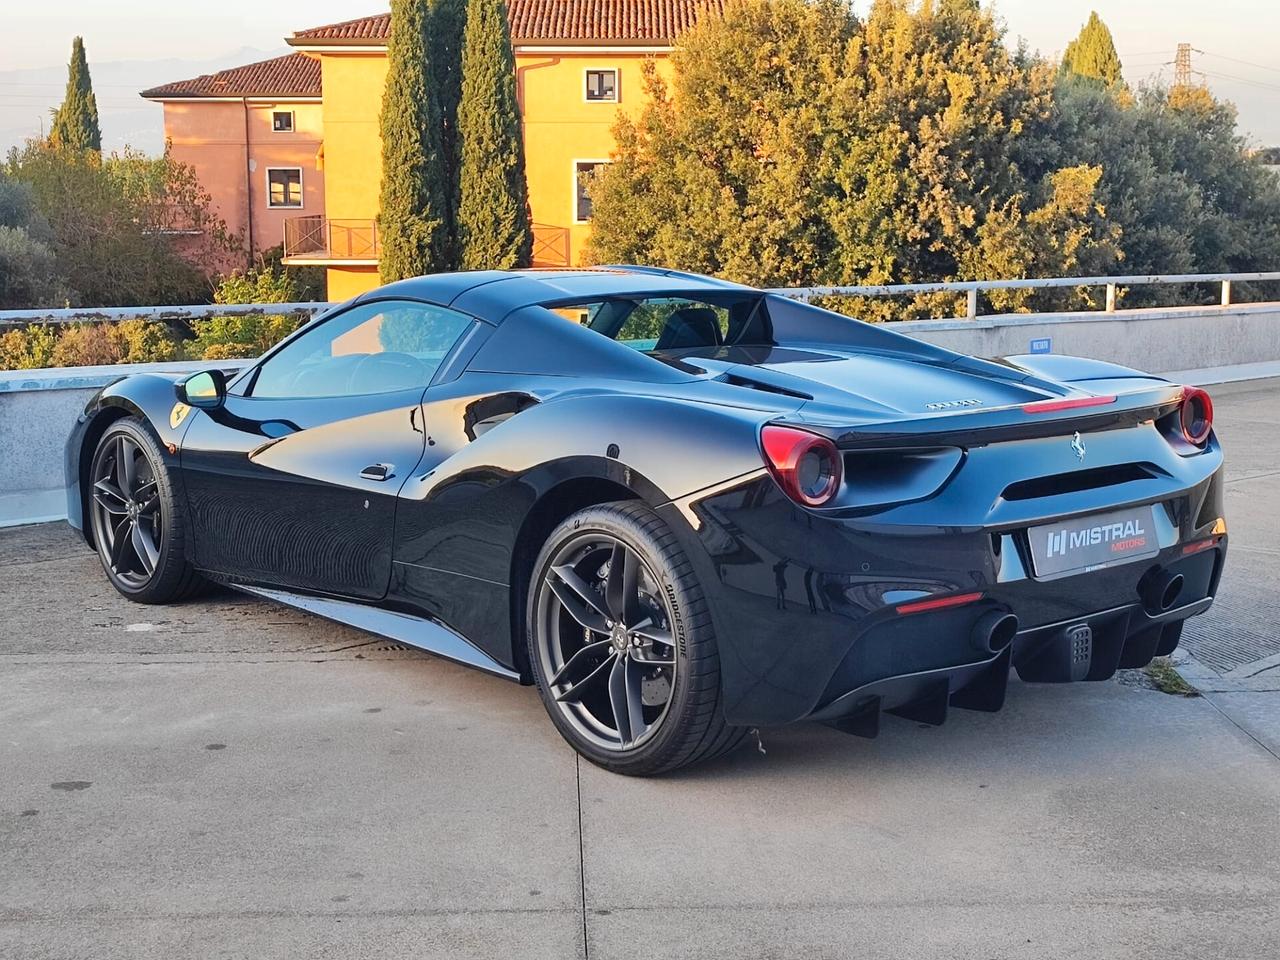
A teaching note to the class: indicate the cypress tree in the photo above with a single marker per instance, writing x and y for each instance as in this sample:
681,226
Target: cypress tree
75,123
1093,54
414,214
493,205
447,20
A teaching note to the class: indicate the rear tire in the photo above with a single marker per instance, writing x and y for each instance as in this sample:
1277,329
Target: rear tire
139,523
621,644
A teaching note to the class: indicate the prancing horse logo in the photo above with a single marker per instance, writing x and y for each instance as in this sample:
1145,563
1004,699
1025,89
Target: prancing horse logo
1078,446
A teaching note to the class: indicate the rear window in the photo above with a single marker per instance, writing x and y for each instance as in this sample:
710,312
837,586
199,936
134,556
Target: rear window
674,324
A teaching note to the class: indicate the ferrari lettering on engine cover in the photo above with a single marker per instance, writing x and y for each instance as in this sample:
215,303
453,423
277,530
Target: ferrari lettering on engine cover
952,404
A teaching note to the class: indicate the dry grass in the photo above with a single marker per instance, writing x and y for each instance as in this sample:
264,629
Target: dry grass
1167,680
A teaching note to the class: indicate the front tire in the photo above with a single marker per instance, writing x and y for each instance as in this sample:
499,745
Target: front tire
138,522
621,644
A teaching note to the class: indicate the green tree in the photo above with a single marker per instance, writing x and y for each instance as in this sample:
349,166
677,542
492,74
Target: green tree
1093,54
75,123
494,231
127,230
1178,181
933,107
18,208
447,19
799,146
413,222
719,172
29,271
29,274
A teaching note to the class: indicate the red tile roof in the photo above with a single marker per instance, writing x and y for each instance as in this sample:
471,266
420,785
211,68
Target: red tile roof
569,21
293,75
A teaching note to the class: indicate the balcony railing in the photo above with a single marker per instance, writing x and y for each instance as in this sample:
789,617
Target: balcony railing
319,238
550,246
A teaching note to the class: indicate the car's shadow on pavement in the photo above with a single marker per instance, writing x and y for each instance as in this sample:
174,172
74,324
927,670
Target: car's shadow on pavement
1041,724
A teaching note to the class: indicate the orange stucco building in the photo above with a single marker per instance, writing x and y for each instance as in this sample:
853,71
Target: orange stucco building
254,135
578,64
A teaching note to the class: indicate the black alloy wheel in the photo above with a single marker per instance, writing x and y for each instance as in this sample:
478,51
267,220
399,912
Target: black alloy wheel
128,524
621,645
134,518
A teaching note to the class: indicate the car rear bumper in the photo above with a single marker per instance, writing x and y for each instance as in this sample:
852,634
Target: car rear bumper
809,608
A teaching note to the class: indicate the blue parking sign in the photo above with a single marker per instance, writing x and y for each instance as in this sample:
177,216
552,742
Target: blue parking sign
1042,345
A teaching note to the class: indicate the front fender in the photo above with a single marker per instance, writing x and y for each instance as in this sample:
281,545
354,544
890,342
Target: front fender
147,396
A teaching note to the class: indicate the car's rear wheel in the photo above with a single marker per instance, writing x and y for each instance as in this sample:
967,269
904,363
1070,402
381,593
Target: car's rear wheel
621,643
138,523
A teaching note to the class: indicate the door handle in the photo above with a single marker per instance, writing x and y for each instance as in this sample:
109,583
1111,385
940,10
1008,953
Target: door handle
378,471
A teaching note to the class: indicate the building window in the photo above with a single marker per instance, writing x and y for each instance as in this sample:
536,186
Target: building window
583,170
282,121
284,187
602,86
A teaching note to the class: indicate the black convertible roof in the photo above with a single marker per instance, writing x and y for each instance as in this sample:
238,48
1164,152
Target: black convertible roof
493,294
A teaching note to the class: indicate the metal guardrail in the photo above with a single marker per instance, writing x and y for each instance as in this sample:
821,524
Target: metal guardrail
199,311
973,287
10,318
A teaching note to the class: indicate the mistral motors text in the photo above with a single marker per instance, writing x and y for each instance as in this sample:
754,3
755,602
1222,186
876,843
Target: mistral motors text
1122,537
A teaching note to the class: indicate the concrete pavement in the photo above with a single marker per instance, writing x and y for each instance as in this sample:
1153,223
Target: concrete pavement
228,778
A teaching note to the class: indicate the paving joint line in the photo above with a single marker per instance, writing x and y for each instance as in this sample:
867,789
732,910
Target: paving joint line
1222,713
582,867
1256,476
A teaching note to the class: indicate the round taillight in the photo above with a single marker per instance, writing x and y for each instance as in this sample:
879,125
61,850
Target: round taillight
806,466
1195,415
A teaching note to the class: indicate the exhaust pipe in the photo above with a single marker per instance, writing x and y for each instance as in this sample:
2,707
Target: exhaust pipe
1160,589
994,631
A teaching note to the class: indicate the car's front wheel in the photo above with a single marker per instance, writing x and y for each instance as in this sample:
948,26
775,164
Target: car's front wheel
621,643
137,521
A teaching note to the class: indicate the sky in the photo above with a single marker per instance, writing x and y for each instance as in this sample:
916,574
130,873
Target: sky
1239,55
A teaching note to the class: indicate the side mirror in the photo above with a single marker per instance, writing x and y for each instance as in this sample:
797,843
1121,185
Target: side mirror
206,389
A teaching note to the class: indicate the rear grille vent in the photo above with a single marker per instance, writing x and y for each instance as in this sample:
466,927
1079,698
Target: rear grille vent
739,381
1076,481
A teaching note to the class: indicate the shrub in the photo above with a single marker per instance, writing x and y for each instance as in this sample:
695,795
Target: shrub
88,344
28,272
146,341
28,348
255,286
85,345
227,338
112,223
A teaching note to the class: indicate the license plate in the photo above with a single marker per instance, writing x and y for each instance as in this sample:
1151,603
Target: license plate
1087,543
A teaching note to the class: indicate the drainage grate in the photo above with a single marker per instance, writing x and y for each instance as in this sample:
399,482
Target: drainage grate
1242,627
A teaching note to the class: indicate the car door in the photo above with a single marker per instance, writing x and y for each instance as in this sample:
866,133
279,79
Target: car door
294,481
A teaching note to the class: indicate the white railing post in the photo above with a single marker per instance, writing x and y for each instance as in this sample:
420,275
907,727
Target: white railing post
971,306
1111,298
1226,293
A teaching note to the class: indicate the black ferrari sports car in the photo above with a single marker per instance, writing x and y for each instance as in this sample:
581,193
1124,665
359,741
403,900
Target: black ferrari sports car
681,507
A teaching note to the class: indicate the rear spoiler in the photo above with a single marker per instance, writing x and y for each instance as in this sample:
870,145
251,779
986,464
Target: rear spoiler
1054,417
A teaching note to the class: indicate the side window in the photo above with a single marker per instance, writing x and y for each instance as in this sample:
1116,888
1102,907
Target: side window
371,348
673,323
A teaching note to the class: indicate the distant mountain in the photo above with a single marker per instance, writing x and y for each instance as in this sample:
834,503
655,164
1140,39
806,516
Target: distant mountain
27,96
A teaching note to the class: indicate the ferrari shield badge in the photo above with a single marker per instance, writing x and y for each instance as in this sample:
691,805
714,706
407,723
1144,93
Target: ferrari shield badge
178,414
